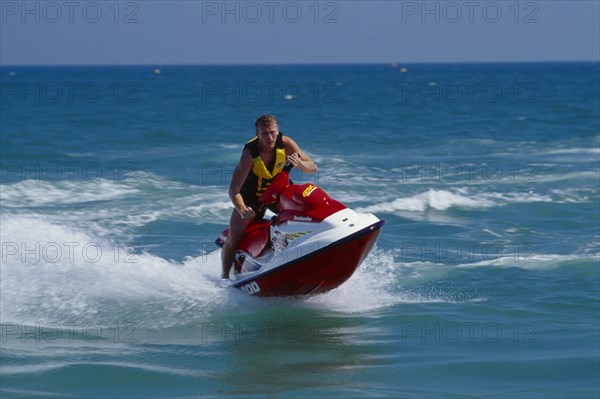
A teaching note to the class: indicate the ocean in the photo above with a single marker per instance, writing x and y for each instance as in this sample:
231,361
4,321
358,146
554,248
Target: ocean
484,282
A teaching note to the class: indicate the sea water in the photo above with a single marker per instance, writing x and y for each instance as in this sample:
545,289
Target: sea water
484,282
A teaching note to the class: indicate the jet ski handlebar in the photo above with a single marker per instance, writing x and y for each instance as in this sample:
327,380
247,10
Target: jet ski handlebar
288,167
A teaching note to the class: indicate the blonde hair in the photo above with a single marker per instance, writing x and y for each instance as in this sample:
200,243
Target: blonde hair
264,120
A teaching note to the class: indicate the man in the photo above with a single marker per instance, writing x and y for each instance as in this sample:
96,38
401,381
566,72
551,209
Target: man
262,159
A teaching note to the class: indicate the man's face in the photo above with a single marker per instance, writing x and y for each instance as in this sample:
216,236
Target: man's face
267,135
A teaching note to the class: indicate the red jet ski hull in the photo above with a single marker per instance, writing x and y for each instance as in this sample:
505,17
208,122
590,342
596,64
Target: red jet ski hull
317,272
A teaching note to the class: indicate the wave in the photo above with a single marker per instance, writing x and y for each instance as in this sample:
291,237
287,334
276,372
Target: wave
62,366
465,198
583,175
432,199
112,207
383,281
35,193
594,151
55,273
52,272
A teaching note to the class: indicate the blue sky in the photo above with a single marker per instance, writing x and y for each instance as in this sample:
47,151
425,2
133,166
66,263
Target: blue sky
264,32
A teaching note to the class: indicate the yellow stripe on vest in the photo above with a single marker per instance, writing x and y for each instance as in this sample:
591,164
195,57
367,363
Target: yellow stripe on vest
265,177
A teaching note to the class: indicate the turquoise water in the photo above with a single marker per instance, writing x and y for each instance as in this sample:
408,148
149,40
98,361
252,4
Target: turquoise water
484,282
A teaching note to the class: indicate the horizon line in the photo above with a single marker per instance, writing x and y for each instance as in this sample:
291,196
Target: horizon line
397,63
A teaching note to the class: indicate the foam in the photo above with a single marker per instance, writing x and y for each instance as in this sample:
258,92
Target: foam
33,193
517,197
230,146
594,151
52,277
574,195
431,199
120,285
568,176
107,207
366,290
56,366
531,260
465,198
379,283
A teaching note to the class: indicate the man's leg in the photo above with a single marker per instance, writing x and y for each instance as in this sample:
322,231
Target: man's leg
237,225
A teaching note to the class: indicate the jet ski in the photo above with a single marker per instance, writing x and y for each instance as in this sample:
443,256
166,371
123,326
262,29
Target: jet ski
312,245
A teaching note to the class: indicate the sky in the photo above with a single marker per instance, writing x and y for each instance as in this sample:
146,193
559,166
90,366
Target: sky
157,32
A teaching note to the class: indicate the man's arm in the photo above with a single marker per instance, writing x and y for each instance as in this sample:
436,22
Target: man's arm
304,162
237,181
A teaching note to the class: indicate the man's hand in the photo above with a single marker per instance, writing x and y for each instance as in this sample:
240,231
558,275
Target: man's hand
246,213
295,159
